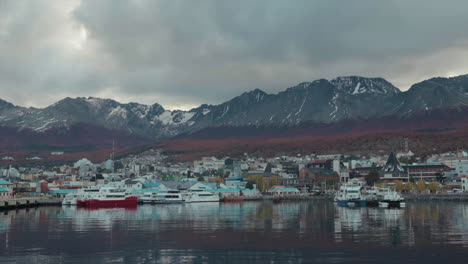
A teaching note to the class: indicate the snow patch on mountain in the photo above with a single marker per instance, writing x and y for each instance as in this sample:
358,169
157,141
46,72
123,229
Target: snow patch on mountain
119,112
333,103
356,89
186,117
166,117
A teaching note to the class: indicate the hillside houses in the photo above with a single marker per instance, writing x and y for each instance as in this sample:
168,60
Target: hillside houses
151,170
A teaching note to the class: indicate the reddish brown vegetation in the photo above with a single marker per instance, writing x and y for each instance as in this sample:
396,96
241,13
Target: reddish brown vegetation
422,143
77,141
432,131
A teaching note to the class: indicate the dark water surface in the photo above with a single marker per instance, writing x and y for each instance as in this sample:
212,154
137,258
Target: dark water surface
252,232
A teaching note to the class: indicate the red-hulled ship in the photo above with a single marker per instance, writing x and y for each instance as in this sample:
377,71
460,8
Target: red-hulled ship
108,196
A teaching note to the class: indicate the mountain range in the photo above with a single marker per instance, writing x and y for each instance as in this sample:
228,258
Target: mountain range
335,107
320,101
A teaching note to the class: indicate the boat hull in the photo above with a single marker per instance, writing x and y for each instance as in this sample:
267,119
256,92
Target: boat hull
167,202
128,201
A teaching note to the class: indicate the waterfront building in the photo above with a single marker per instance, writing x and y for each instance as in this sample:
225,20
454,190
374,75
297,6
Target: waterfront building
393,170
310,176
283,191
6,189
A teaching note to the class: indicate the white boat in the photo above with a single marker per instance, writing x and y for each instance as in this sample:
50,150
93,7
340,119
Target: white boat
383,197
392,199
350,195
147,197
168,197
200,196
72,198
175,196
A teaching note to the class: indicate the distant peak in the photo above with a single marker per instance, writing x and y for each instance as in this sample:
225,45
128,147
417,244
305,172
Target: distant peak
363,85
5,104
257,91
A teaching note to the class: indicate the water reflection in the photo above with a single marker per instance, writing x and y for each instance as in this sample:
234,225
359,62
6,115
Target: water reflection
243,232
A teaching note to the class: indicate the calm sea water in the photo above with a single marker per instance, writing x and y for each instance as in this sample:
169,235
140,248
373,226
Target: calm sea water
252,232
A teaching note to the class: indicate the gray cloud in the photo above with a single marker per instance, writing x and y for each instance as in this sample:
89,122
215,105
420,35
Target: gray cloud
183,53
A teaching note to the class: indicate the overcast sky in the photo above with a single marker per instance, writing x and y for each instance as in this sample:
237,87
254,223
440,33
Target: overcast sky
185,53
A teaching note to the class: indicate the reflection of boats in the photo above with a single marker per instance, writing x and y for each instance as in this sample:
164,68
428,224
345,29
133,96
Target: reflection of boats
127,207
350,195
107,196
277,200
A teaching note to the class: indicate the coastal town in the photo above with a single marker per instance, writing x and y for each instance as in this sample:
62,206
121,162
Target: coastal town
243,178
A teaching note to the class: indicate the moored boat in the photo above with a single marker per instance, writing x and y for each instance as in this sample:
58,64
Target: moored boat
383,197
168,197
392,199
350,195
72,198
200,196
108,196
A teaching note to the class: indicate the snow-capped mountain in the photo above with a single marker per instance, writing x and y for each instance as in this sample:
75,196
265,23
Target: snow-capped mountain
318,101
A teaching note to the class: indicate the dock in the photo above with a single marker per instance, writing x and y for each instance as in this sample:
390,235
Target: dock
27,202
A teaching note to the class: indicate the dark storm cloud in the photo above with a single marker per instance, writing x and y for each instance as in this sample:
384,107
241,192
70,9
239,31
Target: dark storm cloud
183,53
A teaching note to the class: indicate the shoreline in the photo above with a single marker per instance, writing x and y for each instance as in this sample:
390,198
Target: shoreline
20,203
436,197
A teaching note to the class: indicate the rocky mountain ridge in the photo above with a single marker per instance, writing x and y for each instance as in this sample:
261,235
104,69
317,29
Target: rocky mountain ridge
321,101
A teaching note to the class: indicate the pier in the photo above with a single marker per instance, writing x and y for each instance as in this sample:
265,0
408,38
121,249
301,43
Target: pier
27,202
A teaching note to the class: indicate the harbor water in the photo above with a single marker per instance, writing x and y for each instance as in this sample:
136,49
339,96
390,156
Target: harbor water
249,232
